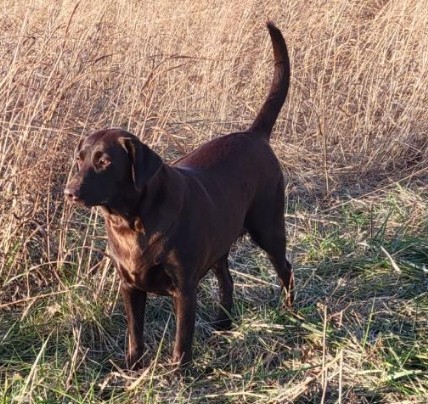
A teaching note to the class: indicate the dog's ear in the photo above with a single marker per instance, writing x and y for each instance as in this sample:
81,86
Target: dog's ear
145,162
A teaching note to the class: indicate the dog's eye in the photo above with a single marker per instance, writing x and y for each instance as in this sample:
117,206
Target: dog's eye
103,162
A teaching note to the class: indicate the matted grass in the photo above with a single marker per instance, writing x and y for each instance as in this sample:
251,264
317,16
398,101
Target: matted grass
352,139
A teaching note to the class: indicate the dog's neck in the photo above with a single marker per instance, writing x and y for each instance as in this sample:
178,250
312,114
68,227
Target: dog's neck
154,209
123,208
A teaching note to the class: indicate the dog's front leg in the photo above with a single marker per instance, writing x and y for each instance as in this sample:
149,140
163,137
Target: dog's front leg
185,312
135,304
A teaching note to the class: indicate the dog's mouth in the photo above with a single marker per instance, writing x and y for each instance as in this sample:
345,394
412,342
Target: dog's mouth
73,195
78,201
83,203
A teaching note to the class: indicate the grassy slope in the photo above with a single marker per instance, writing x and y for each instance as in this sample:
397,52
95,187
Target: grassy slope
352,140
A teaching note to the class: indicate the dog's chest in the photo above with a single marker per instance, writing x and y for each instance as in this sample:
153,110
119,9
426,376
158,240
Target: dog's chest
128,249
139,260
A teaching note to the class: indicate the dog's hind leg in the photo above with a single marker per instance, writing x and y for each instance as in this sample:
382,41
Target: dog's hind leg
225,284
265,224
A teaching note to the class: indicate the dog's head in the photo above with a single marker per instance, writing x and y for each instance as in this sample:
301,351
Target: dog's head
112,164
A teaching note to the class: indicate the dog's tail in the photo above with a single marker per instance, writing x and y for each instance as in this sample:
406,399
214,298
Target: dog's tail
265,119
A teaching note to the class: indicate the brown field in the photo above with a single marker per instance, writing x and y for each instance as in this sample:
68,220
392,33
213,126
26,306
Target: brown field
353,142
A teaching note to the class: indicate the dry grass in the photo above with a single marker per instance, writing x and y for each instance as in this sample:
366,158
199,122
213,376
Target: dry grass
353,142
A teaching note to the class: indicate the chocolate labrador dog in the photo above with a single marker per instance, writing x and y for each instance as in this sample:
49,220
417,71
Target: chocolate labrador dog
168,225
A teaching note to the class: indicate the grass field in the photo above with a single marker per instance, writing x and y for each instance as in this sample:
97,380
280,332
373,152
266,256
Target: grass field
352,139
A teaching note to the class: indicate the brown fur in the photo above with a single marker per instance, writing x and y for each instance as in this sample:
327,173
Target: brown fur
168,225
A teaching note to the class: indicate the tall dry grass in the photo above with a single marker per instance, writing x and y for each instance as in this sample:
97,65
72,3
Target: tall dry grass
178,74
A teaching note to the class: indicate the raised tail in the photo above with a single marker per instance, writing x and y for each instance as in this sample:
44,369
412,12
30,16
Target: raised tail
265,119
